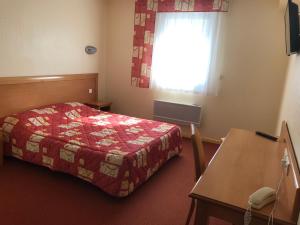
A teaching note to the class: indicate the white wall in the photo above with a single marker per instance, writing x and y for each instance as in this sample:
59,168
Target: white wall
290,108
48,37
254,69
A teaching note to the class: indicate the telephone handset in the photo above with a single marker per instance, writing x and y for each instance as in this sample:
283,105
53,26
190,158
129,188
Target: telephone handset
262,197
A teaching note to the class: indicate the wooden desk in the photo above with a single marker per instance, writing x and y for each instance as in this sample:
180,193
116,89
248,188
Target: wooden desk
244,163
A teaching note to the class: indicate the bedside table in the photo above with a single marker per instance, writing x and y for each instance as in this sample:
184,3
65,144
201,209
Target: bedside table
103,106
1,147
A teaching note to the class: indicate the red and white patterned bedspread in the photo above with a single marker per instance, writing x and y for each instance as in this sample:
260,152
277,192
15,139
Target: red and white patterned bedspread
117,153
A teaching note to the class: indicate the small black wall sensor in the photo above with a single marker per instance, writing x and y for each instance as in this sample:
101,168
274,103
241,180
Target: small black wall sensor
90,50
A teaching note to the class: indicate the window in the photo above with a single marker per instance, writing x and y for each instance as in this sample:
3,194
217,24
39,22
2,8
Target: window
185,51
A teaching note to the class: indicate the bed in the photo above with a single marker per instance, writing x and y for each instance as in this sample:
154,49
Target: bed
115,152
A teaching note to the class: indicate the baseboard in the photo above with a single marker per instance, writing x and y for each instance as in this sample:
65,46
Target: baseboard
207,140
211,140
186,133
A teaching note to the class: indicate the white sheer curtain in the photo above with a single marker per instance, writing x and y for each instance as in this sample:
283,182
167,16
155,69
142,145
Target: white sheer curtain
185,52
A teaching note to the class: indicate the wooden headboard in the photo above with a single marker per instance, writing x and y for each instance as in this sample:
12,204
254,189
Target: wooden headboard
21,93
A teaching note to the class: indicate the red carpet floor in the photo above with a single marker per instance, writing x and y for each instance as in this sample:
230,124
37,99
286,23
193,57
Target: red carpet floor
33,195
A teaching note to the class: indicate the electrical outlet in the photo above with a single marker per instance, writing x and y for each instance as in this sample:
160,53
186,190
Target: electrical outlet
90,91
285,161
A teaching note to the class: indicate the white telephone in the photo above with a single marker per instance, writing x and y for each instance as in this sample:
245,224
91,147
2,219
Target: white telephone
262,197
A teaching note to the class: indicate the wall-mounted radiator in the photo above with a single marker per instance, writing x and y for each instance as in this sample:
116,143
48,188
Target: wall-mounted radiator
180,114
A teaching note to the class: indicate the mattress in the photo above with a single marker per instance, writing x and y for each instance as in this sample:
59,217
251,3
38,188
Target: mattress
116,153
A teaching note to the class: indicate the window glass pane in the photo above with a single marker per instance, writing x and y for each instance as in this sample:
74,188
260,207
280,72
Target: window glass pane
182,50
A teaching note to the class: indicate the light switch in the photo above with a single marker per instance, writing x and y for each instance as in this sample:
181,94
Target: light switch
90,91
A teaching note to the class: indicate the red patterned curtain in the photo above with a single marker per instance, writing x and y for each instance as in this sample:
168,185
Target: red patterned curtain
144,26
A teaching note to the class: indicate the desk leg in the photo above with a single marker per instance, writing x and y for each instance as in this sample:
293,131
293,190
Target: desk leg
201,216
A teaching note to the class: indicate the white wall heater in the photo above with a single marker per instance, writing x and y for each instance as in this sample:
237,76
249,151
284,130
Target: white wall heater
181,114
